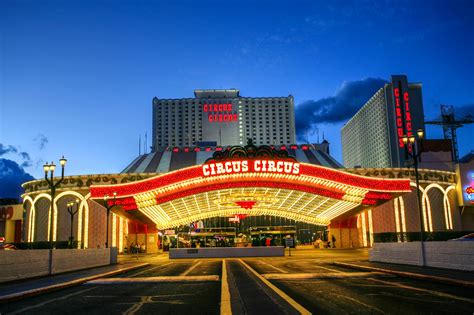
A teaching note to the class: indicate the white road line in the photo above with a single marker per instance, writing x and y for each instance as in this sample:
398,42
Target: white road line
359,302
276,268
441,294
153,279
226,308
50,301
330,269
282,294
190,269
150,269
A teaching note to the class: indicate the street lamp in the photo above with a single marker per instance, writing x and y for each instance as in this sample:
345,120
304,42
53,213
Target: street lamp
108,207
52,186
414,150
70,206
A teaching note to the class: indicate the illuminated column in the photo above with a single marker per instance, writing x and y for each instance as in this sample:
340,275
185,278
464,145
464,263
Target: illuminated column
86,225
79,224
364,230
49,224
120,235
397,219
371,227
114,230
402,214
55,221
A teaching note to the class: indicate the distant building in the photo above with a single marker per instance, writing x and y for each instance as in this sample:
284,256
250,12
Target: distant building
221,118
372,137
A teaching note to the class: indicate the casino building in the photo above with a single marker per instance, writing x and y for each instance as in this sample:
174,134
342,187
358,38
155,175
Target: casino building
235,183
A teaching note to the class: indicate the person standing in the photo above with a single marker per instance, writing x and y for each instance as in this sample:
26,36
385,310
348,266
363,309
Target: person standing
333,239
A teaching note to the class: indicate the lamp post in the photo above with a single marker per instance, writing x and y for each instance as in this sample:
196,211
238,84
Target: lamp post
108,207
70,206
50,168
413,149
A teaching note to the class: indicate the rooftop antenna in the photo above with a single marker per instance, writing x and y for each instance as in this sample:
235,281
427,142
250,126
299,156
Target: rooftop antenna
323,135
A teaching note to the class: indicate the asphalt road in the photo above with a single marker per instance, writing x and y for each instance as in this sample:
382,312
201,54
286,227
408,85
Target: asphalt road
307,280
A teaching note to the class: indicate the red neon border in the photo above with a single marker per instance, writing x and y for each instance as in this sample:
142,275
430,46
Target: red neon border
193,172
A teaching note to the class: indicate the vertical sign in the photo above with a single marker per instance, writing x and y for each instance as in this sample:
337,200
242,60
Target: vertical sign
403,117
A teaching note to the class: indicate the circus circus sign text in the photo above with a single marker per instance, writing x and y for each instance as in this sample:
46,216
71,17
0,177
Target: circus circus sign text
251,166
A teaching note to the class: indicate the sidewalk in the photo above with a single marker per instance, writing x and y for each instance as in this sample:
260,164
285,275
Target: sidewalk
445,276
29,287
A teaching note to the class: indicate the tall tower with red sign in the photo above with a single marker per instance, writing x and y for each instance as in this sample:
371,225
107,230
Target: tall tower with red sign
222,118
372,137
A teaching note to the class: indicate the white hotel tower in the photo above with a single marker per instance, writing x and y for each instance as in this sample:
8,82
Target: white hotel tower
221,118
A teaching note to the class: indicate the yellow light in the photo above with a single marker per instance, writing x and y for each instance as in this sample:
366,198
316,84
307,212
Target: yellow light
62,161
46,168
420,133
405,139
52,167
411,139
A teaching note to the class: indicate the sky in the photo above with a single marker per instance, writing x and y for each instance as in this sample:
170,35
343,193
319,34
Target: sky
77,78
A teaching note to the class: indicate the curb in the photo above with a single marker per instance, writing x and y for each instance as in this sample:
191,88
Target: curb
54,287
443,280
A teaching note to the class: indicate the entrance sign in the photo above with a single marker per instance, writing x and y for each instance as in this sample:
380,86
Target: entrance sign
252,166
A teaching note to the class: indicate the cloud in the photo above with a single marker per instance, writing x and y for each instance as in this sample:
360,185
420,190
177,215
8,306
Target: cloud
41,141
5,149
12,176
464,110
348,99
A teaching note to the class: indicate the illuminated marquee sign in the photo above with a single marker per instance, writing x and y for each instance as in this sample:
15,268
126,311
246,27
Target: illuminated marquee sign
220,112
251,166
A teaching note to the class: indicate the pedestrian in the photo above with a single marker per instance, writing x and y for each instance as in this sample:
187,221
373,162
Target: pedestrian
333,241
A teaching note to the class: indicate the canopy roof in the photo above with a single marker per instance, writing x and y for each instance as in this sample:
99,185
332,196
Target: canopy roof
303,192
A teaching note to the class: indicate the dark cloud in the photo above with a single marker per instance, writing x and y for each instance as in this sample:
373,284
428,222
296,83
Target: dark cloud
12,176
464,110
40,141
5,149
343,105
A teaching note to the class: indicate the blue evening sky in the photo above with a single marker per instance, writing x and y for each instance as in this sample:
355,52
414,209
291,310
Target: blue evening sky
81,74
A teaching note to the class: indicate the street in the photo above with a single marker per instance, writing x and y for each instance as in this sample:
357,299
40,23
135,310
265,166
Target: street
306,281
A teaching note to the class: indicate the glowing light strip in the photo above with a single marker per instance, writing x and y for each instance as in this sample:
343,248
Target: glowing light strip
114,230
319,206
371,227
196,202
121,234
86,226
402,214
302,195
49,224
305,205
284,200
79,224
364,230
171,204
397,219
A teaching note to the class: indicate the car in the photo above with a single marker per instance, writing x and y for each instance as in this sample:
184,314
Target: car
468,237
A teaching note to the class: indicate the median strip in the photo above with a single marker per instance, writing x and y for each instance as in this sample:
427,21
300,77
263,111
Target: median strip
226,308
63,285
154,279
462,283
330,275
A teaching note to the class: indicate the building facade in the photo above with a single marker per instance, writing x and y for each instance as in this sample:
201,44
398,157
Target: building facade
372,137
222,117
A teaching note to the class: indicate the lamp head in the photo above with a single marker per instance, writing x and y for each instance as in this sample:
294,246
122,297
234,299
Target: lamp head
77,200
52,167
62,161
411,139
420,133
46,167
106,197
115,194
405,139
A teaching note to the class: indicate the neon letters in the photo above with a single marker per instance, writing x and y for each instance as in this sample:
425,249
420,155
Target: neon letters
220,112
246,166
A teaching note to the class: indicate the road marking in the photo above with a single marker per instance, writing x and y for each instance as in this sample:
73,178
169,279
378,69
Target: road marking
190,269
330,269
282,294
226,308
50,301
441,294
150,269
147,300
153,279
332,275
359,302
276,268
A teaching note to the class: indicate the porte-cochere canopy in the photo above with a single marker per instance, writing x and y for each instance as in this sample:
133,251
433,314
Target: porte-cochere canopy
253,184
